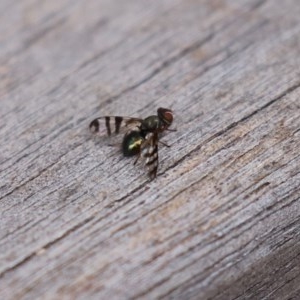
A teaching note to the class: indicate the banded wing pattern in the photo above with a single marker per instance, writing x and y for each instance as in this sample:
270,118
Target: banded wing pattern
141,136
115,124
149,152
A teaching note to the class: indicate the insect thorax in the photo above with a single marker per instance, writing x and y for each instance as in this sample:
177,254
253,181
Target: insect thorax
151,124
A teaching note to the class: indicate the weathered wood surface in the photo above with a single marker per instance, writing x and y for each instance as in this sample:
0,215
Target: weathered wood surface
221,221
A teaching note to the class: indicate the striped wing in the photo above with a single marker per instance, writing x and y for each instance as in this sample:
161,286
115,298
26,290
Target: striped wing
149,152
113,124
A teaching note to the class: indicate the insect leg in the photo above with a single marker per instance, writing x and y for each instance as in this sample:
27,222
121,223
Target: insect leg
166,145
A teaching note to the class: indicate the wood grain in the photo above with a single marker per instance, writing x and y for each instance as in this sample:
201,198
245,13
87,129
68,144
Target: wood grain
222,219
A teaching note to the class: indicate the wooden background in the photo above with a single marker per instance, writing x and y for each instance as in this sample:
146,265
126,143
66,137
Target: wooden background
221,221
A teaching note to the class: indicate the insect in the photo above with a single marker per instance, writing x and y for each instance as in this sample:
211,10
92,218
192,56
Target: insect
141,135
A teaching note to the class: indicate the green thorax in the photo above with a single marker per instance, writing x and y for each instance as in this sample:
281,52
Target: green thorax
151,123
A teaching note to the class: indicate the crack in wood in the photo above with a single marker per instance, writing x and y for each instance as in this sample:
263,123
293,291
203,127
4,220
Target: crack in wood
46,246
164,64
245,230
148,239
233,125
213,267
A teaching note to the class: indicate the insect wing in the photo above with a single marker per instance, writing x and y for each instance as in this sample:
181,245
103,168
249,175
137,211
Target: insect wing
149,152
113,124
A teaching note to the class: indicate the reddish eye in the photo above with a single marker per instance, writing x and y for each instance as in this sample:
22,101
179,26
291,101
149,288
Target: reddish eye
166,115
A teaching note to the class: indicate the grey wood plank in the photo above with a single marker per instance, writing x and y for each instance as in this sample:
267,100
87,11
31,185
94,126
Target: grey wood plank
79,221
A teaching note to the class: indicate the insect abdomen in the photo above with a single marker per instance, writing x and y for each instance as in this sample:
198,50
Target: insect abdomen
131,144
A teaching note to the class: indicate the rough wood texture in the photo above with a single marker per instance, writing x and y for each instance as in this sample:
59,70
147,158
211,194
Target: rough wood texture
221,221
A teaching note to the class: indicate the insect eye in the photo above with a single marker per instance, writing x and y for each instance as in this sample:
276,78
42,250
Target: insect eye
166,115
